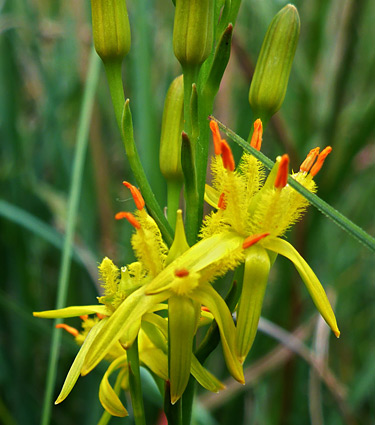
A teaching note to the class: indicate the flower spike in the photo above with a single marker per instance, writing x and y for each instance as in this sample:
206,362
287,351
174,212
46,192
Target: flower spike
309,161
130,217
319,162
216,136
256,139
226,154
282,172
136,194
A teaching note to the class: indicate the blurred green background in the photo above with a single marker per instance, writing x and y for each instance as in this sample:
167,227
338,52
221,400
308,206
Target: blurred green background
44,50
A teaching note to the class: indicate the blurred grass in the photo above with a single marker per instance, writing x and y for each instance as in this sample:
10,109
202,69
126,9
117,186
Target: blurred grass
44,50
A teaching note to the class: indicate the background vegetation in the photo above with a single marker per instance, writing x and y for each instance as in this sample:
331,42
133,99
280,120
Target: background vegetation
44,48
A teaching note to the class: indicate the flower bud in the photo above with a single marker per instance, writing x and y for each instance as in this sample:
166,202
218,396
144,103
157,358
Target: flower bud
270,80
193,31
111,30
171,128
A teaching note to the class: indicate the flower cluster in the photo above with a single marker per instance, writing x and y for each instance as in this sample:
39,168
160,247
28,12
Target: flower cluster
251,214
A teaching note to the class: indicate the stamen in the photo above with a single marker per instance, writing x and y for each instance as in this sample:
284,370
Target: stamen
253,239
222,205
130,217
203,308
70,329
282,172
319,162
226,154
256,138
216,136
309,161
136,194
181,273
84,317
100,316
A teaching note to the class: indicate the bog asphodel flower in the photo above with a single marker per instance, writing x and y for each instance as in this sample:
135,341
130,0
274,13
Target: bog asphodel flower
251,216
261,210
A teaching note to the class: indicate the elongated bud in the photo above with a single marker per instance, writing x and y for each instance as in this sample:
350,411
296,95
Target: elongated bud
270,80
171,128
193,31
257,268
111,30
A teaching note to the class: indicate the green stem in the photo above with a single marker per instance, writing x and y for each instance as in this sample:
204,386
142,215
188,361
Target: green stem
190,76
172,411
340,220
140,176
173,193
135,384
187,401
116,88
74,197
124,121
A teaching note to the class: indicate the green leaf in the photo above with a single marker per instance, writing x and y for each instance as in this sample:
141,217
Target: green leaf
73,311
107,395
312,283
340,220
75,369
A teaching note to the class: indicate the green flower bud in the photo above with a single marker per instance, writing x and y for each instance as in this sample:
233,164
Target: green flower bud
193,31
171,128
270,80
111,30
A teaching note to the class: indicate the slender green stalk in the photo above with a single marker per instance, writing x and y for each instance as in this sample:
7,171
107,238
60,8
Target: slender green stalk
135,384
116,88
172,411
74,197
140,176
340,220
188,400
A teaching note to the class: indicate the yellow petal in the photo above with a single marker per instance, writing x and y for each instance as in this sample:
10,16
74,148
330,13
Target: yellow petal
107,395
312,283
204,377
206,295
75,369
211,196
257,267
72,311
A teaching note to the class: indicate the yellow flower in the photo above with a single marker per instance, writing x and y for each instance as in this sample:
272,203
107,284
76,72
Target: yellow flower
250,206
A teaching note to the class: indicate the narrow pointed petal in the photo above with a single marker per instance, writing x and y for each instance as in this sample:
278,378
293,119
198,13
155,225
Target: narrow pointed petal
204,377
64,313
129,311
181,322
206,295
312,283
155,360
75,369
107,395
257,268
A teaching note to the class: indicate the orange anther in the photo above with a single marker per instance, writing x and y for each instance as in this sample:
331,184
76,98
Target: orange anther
70,329
216,136
309,161
319,162
100,316
84,317
130,217
282,172
256,138
203,308
136,194
253,239
226,154
222,204
181,273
